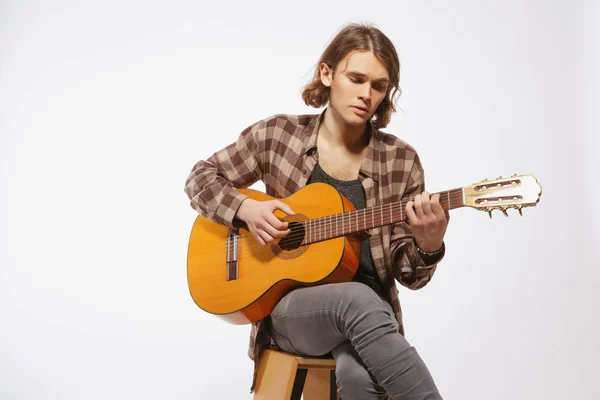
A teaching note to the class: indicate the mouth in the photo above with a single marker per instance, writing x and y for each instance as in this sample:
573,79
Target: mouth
362,111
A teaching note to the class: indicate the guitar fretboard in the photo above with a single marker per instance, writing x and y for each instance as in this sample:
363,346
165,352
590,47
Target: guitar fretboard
332,226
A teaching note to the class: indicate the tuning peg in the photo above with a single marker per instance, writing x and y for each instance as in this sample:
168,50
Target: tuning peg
490,213
514,176
504,211
500,177
520,212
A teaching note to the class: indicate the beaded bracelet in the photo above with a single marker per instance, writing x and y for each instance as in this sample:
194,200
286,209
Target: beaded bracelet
430,253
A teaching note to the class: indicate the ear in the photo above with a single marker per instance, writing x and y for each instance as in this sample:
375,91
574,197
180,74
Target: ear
326,74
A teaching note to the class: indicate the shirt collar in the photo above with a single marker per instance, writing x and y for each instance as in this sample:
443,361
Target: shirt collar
311,132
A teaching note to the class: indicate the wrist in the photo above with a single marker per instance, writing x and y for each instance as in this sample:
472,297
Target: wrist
242,210
430,251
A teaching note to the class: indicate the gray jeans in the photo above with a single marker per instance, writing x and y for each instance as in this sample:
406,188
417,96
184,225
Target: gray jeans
359,328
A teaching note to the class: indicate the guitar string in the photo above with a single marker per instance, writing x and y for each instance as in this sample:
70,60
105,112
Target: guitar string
347,215
251,246
352,215
297,233
319,225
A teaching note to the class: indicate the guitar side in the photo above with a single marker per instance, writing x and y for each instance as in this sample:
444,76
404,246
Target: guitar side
267,273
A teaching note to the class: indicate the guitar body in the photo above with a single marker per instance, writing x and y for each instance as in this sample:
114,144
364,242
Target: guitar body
266,273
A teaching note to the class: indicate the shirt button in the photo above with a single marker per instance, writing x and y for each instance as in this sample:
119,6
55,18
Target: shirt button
375,177
304,171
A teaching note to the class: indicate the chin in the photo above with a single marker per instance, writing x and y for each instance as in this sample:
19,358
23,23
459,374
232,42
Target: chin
352,119
357,122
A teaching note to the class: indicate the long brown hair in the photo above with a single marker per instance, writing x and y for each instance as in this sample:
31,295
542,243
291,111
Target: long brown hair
358,37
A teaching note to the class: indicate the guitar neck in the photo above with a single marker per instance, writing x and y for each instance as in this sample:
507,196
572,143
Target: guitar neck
337,225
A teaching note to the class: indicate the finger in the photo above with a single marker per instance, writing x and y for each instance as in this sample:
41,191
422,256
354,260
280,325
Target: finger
256,234
283,207
265,236
426,204
275,222
436,207
273,231
275,234
418,206
410,213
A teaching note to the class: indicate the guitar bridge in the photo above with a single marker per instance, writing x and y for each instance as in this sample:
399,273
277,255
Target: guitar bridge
232,254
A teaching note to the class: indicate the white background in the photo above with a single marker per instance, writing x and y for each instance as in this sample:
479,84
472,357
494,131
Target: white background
105,107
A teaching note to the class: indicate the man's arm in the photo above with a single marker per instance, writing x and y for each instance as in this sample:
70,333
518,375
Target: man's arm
212,184
417,244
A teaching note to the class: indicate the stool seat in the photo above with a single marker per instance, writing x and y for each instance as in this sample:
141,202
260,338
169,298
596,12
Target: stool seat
283,376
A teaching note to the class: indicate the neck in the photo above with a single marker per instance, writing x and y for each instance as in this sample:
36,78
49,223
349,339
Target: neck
346,223
353,137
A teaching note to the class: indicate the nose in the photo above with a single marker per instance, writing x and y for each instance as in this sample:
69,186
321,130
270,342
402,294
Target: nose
365,92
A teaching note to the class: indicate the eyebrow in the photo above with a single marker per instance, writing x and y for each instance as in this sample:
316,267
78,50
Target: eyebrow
360,74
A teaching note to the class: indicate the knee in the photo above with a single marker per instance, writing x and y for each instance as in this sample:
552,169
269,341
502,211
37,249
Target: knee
354,381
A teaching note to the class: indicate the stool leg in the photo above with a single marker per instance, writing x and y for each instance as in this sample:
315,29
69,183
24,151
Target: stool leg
276,376
332,386
299,384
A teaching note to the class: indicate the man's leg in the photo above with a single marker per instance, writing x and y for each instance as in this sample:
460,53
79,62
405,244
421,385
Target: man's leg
315,320
354,381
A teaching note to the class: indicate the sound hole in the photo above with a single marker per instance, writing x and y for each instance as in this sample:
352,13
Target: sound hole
295,237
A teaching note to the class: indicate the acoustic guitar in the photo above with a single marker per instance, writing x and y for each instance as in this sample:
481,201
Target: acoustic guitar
234,277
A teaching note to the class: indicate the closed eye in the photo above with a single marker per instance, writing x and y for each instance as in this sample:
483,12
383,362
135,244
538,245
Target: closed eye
377,86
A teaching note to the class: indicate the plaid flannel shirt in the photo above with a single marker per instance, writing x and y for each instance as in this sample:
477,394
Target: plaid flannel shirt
282,151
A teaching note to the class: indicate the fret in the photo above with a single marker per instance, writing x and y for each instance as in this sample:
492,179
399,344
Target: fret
373,215
320,230
356,212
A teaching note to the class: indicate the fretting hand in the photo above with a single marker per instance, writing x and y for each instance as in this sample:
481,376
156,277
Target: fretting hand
428,221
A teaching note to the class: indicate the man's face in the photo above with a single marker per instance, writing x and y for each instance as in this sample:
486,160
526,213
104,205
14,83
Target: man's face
358,85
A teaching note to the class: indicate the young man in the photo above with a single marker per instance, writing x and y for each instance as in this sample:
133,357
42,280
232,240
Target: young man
359,322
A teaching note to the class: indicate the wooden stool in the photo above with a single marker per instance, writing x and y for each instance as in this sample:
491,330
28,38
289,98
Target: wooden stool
282,376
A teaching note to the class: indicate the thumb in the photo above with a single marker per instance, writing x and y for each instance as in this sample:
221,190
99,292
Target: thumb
283,207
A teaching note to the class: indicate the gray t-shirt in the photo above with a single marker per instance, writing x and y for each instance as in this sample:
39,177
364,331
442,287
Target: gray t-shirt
354,192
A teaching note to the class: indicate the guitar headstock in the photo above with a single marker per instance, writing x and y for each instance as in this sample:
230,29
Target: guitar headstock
518,192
